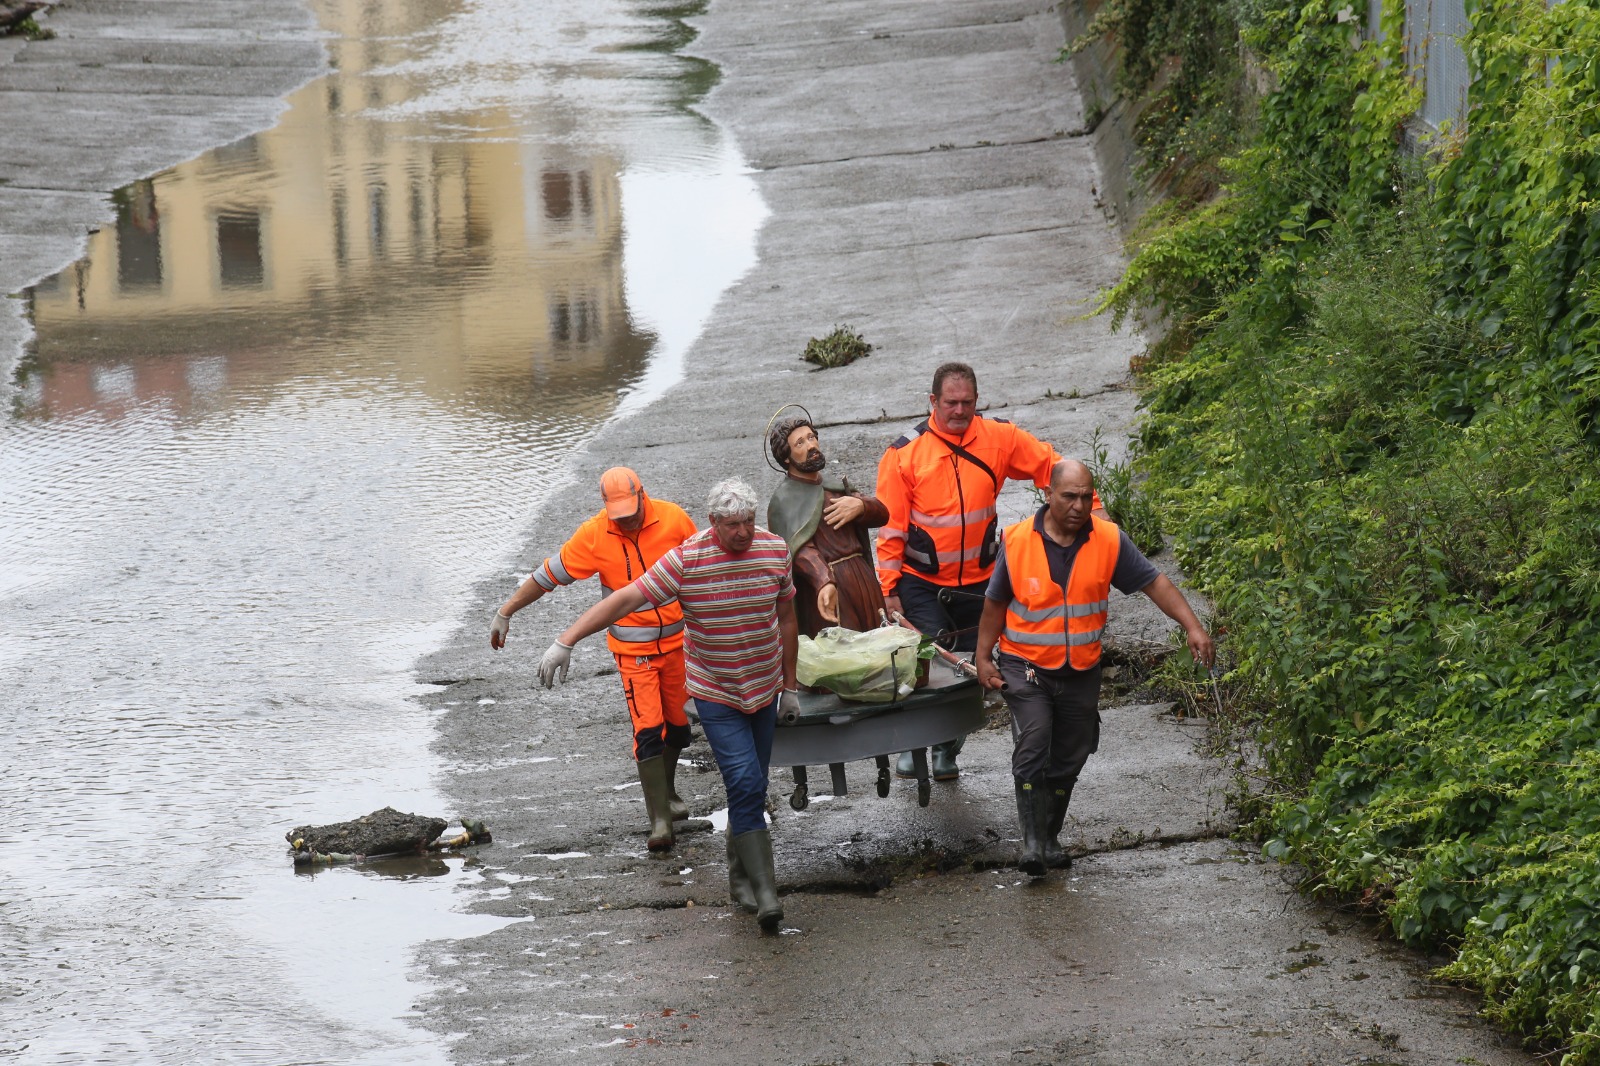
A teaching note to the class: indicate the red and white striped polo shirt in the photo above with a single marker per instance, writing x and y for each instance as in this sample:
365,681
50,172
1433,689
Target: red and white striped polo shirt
732,649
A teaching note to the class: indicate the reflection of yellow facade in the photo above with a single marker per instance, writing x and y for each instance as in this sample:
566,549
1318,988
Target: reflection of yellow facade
468,265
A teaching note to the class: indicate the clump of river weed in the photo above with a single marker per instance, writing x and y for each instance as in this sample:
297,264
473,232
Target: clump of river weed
840,348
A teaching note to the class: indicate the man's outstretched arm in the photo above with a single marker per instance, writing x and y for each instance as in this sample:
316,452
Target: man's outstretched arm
1165,595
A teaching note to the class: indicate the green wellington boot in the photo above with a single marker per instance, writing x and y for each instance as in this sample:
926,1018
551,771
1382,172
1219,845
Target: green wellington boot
657,802
740,890
943,765
755,854
905,765
1032,814
680,809
1058,796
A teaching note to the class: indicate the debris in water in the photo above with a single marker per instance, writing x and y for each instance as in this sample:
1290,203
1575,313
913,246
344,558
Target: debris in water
381,834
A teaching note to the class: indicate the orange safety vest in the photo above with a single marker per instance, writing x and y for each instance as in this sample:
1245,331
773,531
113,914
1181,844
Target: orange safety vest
942,523
1045,621
600,546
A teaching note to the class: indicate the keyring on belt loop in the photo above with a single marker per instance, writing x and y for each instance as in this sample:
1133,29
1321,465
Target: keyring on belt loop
766,453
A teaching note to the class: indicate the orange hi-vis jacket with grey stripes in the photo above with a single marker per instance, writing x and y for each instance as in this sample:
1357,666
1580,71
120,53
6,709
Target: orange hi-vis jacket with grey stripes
941,504
1045,623
600,546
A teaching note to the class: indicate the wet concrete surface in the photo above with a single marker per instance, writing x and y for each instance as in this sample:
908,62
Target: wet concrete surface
1190,953
931,187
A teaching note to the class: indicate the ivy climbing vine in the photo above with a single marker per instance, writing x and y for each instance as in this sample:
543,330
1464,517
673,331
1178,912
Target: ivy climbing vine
1373,423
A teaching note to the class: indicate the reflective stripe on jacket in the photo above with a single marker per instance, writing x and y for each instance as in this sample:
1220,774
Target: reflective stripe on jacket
1044,622
941,505
600,546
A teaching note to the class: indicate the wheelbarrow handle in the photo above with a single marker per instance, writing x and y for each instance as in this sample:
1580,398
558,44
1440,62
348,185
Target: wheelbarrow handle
961,665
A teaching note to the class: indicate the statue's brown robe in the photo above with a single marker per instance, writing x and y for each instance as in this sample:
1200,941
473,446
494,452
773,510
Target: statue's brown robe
822,554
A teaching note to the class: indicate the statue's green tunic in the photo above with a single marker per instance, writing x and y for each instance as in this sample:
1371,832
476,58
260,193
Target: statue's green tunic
822,554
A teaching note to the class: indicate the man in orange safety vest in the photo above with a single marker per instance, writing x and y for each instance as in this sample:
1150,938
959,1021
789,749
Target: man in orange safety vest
937,548
620,543
1046,609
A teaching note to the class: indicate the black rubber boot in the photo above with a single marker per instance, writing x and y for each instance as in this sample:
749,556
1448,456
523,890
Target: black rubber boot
680,809
944,759
740,890
657,802
1032,814
1059,795
755,854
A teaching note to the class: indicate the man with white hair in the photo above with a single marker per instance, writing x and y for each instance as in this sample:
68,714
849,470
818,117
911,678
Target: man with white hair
734,584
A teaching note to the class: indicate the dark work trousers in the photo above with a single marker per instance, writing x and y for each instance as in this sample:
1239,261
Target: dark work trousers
1055,722
949,614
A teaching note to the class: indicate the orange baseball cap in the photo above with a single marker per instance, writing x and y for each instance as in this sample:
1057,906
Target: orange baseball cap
622,491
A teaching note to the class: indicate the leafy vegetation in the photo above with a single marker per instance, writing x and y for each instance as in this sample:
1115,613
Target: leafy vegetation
1372,427
1129,507
1182,62
29,28
840,348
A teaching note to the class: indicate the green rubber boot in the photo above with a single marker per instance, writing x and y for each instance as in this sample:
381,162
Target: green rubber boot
1059,794
657,802
1032,814
680,809
755,854
905,765
740,890
944,766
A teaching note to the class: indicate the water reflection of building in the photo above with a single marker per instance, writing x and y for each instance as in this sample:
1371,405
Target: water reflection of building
486,266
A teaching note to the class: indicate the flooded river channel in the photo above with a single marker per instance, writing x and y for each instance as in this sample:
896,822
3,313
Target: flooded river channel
301,396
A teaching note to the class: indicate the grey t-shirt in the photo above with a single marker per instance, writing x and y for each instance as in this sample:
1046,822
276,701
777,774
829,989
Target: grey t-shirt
1132,574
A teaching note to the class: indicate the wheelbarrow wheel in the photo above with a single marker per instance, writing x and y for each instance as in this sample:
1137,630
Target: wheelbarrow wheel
800,798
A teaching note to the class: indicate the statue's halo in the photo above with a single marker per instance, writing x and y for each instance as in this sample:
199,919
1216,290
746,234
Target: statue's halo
765,453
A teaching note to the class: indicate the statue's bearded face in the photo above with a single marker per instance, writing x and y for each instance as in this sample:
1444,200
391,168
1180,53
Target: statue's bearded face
805,452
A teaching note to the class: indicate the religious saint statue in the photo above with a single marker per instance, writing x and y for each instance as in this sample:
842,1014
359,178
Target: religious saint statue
825,523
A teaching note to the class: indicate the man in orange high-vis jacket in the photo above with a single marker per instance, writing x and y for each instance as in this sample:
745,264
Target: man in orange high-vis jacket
625,539
1046,609
937,549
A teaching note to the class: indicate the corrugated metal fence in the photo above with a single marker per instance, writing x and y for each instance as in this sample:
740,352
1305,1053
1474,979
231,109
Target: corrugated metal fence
1434,29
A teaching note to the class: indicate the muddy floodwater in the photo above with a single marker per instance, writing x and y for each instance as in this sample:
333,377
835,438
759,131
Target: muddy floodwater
301,396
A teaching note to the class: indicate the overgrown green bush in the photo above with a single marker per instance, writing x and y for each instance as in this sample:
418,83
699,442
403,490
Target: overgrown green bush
1377,446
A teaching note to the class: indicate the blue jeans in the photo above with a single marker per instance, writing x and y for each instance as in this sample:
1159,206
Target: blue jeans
742,744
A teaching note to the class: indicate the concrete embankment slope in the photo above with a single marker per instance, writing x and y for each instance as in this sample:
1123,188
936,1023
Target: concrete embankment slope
932,185
124,89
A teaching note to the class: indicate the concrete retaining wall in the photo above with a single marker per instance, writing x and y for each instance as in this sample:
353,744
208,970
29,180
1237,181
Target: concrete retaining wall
1110,116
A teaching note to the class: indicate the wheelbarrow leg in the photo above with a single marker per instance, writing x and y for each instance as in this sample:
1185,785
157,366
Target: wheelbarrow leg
800,798
883,776
838,777
919,759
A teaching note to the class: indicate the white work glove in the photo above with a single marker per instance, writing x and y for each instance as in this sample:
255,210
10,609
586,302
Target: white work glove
556,658
499,629
788,706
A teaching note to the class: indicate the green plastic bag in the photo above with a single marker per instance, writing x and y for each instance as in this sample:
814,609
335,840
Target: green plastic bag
875,667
